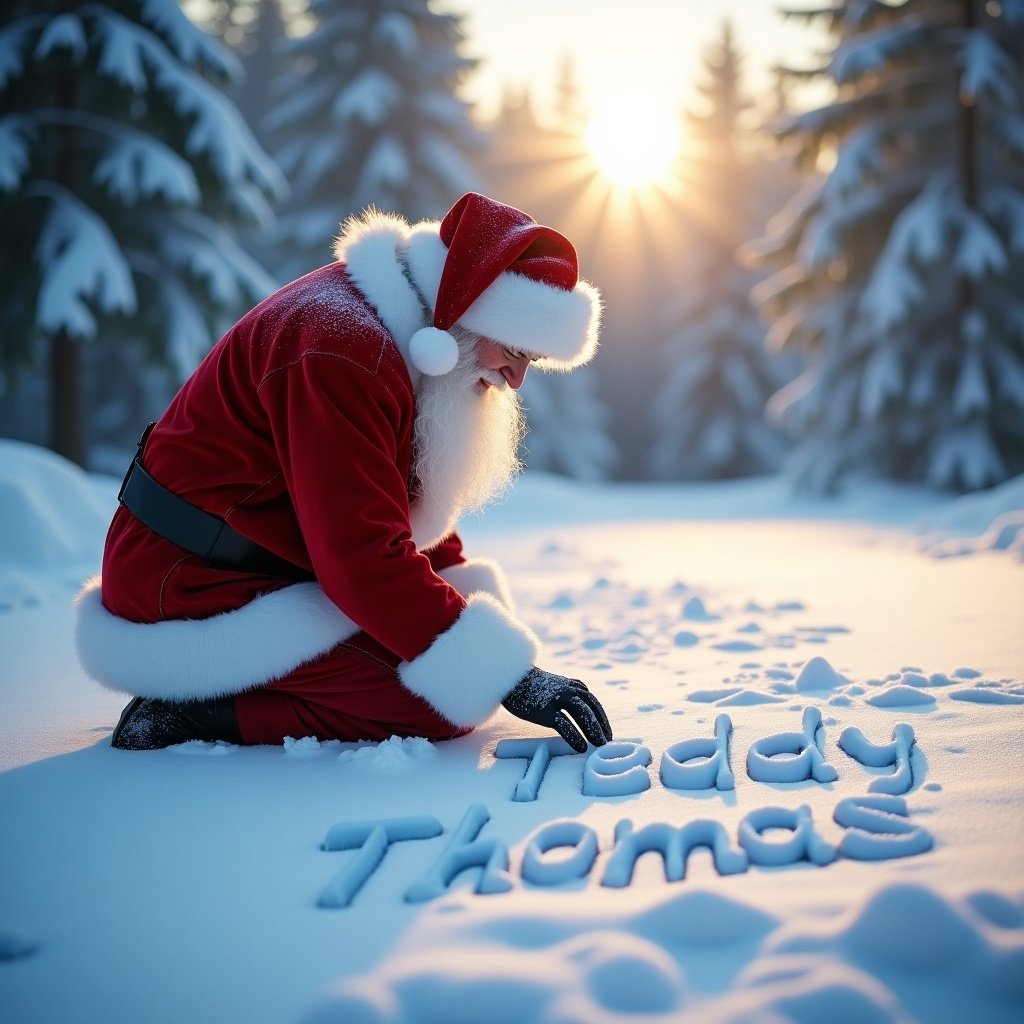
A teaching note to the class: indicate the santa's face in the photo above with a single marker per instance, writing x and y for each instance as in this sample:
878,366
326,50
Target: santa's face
501,366
469,424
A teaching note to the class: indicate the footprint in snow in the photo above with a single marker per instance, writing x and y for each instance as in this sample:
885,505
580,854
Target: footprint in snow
747,698
711,696
977,695
737,646
14,945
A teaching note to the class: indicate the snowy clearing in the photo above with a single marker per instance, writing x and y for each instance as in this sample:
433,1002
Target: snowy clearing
796,684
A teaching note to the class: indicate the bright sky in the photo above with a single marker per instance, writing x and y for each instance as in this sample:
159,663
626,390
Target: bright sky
622,48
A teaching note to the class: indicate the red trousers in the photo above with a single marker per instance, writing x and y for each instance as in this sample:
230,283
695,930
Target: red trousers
350,693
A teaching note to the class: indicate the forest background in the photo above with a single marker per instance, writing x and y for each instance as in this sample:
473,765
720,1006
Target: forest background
818,270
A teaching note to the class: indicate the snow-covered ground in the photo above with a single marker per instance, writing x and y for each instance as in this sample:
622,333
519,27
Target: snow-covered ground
815,688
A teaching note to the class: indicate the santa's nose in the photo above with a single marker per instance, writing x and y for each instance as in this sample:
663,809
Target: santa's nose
514,372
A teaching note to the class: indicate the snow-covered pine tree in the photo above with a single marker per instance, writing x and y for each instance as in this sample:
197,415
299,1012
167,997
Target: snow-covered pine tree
370,115
568,426
900,274
260,51
122,167
533,166
709,410
570,107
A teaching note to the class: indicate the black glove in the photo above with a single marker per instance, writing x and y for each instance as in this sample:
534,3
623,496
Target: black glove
546,699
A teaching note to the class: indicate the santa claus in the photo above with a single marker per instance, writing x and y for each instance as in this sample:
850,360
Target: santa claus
285,561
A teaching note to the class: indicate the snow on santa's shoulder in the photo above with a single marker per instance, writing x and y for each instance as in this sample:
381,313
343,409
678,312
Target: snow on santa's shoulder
881,685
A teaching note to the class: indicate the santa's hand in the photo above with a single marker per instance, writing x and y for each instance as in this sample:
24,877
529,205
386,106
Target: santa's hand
549,700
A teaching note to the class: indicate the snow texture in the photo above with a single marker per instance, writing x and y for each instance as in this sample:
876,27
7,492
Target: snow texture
411,882
618,768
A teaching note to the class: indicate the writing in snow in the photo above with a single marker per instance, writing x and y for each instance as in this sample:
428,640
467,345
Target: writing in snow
877,825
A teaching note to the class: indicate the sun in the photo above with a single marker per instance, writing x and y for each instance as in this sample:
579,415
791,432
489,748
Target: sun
634,142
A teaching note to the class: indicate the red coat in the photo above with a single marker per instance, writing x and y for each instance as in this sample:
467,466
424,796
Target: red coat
297,429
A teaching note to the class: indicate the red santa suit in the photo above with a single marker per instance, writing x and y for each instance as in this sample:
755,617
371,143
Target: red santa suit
297,430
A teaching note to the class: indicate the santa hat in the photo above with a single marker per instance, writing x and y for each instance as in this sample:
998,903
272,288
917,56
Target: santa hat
496,271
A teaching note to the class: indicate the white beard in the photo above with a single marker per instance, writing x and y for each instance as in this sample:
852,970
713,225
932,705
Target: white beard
466,441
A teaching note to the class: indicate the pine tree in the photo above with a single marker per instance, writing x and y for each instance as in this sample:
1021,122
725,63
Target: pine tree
531,166
900,273
709,412
568,426
370,116
233,21
260,52
569,105
122,168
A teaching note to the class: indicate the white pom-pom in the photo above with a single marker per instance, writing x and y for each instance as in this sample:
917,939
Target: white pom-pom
433,351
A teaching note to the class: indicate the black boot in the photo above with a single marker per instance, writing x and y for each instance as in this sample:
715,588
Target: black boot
148,724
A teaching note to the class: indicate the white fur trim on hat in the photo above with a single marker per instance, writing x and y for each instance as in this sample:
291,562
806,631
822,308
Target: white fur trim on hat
468,669
479,574
192,659
426,253
559,326
433,351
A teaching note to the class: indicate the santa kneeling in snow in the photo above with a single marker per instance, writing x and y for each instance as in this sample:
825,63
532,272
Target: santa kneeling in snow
284,561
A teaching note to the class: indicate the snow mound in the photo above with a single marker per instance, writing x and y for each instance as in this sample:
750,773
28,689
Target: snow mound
51,513
966,672
53,517
875,963
986,695
996,909
737,646
308,746
710,696
200,748
703,919
900,696
911,928
391,756
806,993
818,674
696,611
990,521
594,978
747,698
908,932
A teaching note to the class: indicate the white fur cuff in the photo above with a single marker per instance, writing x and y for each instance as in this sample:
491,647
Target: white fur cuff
468,669
479,574
193,659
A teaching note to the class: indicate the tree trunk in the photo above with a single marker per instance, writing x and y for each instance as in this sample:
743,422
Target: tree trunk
67,422
968,162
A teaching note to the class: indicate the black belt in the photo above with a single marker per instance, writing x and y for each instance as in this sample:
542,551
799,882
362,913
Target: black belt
198,532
